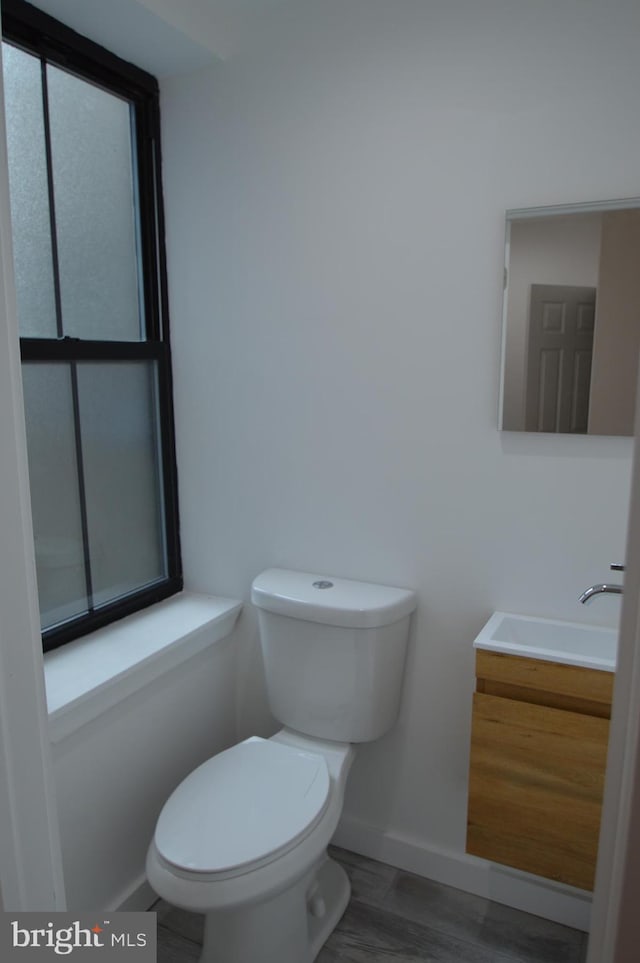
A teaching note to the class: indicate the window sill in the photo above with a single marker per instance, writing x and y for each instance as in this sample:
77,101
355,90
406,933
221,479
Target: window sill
90,675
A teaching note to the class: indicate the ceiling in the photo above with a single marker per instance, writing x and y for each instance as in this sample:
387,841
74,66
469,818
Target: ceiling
162,36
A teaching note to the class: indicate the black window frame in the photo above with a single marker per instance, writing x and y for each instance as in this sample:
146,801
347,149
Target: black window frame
28,28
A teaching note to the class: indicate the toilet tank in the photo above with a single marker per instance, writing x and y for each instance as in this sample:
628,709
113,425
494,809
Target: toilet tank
334,652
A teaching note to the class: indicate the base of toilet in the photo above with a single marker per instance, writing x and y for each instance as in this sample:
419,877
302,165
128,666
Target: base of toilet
290,927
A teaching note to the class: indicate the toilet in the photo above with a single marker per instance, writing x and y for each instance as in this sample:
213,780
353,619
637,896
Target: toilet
243,839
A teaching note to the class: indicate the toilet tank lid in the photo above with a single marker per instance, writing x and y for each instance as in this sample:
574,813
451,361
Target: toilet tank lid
331,601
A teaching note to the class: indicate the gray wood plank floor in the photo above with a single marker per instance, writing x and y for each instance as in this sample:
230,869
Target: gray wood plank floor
396,917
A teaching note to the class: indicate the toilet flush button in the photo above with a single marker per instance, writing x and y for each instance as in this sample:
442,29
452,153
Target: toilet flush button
322,583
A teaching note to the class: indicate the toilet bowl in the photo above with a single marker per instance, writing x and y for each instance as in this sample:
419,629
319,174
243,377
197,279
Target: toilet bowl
243,839
264,880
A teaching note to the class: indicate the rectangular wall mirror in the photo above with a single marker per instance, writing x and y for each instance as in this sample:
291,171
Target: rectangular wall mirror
571,318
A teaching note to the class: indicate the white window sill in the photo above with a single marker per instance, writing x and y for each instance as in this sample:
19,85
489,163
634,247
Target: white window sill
86,677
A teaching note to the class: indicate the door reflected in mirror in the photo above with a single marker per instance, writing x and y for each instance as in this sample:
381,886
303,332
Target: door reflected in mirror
571,319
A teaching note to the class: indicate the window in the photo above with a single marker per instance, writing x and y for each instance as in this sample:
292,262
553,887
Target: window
86,208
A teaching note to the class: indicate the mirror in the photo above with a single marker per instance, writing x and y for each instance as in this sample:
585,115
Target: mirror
571,318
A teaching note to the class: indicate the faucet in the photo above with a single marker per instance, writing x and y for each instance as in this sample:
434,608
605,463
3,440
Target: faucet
603,588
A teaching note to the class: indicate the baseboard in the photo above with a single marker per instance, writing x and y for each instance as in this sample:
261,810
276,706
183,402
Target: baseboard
553,901
136,898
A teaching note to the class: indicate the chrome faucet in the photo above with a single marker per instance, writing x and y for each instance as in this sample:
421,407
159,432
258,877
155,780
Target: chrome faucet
603,588
589,593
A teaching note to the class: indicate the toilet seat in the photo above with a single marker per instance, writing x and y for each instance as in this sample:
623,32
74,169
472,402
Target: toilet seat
243,808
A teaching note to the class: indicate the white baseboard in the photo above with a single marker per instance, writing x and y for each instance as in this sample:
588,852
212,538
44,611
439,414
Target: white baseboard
553,901
137,898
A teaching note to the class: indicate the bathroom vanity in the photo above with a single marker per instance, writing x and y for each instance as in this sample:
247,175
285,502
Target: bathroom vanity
540,728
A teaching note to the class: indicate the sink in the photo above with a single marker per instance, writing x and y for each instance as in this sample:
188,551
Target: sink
552,640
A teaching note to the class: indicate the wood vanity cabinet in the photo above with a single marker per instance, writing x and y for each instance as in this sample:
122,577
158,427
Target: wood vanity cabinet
538,754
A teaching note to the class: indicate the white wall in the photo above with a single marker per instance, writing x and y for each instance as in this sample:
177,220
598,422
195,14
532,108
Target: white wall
335,201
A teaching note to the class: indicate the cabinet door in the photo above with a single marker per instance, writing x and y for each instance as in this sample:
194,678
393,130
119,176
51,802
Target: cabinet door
535,788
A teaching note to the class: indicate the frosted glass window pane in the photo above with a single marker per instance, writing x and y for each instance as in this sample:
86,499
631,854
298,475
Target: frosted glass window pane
29,194
54,492
94,201
118,427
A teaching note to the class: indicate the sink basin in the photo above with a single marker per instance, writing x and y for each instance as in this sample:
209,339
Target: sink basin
551,640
